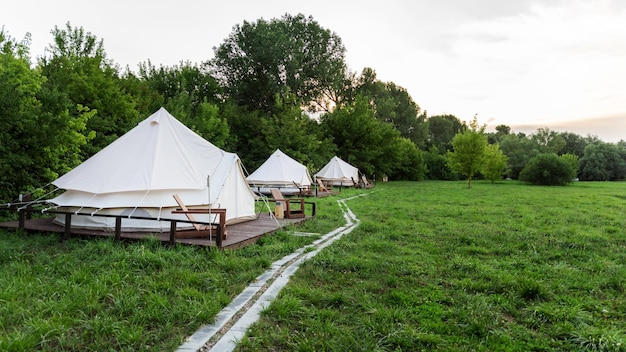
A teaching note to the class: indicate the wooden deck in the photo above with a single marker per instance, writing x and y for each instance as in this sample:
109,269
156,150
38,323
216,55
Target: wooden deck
238,235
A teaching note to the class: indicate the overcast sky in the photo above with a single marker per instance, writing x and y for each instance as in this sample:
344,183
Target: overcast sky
522,63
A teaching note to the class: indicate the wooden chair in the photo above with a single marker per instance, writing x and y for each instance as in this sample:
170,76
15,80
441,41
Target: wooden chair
201,230
365,182
294,207
321,186
304,190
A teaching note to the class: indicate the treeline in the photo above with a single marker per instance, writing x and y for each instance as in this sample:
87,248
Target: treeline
280,83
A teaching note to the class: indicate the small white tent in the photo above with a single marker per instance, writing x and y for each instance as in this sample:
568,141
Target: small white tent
280,171
338,173
139,173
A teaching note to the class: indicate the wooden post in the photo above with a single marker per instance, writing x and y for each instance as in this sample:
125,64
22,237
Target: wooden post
172,232
218,238
29,207
118,228
21,219
313,208
68,226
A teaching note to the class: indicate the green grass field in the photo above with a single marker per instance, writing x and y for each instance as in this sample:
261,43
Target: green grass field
437,266
432,266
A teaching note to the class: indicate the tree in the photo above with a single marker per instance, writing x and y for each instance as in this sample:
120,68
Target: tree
468,153
495,163
394,105
547,169
410,161
603,162
78,71
572,161
37,140
361,139
437,165
291,55
548,141
519,150
442,128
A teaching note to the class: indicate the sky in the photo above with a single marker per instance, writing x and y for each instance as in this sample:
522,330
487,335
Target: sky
528,64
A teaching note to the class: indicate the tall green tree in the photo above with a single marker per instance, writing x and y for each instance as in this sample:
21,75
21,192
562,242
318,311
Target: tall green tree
37,143
76,68
468,153
361,139
603,162
442,129
291,55
548,141
394,105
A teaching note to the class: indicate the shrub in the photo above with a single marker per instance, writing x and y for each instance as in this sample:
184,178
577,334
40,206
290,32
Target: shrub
547,169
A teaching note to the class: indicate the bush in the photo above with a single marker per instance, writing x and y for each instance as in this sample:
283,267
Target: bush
547,169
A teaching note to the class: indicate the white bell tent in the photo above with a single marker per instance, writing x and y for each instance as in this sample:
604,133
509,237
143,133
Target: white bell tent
140,172
280,171
338,173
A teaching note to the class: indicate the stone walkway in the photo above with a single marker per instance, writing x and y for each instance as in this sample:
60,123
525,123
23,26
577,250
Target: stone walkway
232,322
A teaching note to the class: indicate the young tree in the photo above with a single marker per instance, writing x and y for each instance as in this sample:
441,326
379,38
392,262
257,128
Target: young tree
495,163
468,153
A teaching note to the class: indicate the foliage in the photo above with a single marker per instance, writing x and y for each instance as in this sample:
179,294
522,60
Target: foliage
394,105
410,161
468,155
36,142
495,163
603,162
572,161
293,132
548,170
291,55
442,128
79,73
363,141
548,141
519,149
437,165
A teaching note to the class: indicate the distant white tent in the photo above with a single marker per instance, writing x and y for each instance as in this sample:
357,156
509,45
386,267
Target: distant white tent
139,173
338,173
280,171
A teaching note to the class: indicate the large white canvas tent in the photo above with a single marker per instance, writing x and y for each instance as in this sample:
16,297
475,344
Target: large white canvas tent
280,171
138,174
338,173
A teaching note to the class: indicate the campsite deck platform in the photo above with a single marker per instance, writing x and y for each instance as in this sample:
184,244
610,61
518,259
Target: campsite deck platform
238,235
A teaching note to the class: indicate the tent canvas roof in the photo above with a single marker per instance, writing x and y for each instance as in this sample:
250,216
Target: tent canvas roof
280,169
338,170
145,167
159,153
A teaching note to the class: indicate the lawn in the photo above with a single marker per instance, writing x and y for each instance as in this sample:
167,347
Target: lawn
437,266
99,295
432,266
